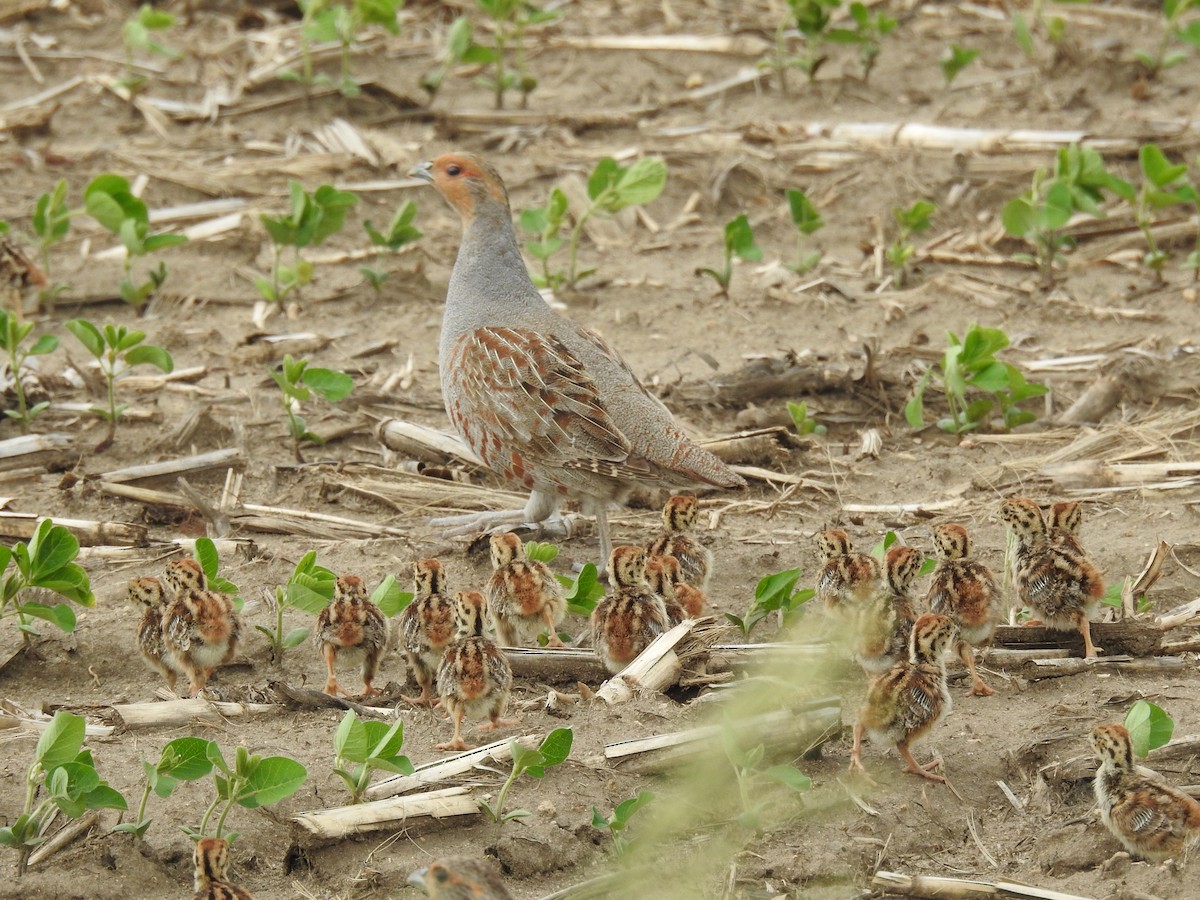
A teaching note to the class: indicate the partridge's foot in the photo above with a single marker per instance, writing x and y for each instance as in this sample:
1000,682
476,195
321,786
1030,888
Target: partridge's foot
498,723
456,744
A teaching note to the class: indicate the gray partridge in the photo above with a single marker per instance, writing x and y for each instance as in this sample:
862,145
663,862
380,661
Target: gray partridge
626,621
695,560
887,622
211,857
847,580
523,596
966,591
201,628
460,878
682,600
1062,587
426,626
474,675
904,704
1153,819
543,402
149,593
1064,522
352,626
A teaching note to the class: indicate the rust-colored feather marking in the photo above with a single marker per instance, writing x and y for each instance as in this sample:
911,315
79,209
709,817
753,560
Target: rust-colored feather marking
149,593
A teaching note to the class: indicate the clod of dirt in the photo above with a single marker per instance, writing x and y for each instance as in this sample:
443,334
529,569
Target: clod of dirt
1074,849
527,850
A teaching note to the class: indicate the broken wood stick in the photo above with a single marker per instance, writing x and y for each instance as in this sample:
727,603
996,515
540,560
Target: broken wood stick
1180,615
961,888
1128,638
64,837
656,668
1057,668
22,526
444,769
424,443
571,664
156,714
34,450
392,812
230,456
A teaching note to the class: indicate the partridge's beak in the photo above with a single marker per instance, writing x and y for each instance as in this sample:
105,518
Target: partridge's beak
422,170
418,877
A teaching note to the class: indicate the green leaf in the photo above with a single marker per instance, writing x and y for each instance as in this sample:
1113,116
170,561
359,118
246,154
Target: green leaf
914,410
384,740
155,242
1157,168
641,183
61,742
526,760
350,739
604,176
61,615
274,779
154,19
540,551
626,808
330,384
390,599
104,797
557,746
87,334
789,776
991,378
50,549
185,759
739,239
151,355
205,552
1149,726
584,591
773,591
805,215
294,638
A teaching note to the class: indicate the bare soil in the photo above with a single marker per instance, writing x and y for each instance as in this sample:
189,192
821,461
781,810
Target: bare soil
731,151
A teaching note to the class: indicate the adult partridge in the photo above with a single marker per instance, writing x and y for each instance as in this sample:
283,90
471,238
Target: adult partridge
543,402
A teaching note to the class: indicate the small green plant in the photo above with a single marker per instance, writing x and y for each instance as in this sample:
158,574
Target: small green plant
1053,28
1114,597
1149,727
546,222
807,221
400,231
611,188
298,381
954,60
138,34
311,219
67,774
511,19
310,590
252,782
739,242
183,759
879,551
1163,184
13,333
774,593
46,562
913,220
109,200
555,748
308,14
389,598
460,48
619,821
811,19
969,366
205,552
583,591
117,350
343,23
800,419
361,748
870,28
1162,57
755,783
51,223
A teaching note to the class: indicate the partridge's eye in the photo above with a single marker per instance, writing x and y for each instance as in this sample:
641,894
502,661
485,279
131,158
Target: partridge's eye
453,170
439,873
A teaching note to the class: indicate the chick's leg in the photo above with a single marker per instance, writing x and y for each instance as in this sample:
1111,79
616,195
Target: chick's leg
915,767
1085,628
329,651
979,688
456,742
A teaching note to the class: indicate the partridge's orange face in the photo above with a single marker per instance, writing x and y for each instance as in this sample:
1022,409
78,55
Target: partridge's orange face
463,179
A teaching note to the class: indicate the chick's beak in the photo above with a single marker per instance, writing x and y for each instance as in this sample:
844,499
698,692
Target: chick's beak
422,170
418,877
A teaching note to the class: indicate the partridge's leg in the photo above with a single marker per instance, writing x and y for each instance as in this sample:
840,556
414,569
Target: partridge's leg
979,687
541,508
424,678
915,767
1089,649
856,751
456,742
329,651
370,668
497,722
601,513
555,640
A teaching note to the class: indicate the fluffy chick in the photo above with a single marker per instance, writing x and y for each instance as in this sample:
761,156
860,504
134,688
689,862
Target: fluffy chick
904,704
887,623
474,675
201,628
426,626
1064,522
847,580
1153,819
626,621
461,878
523,596
966,591
211,857
149,593
682,600
352,626
679,518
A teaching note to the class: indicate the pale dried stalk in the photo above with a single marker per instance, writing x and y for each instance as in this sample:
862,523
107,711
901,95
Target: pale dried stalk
201,461
422,442
444,769
960,888
64,837
22,526
393,812
156,714
1057,668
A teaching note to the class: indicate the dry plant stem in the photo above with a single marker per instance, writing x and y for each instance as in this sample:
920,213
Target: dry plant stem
961,888
460,764
390,813
65,836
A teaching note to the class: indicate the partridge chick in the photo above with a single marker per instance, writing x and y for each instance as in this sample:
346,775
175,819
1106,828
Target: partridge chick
695,560
1062,587
1150,817
426,626
212,872
847,580
460,879
201,628
626,621
887,623
474,675
149,593
966,591
1064,522
523,596
353,626
682,600
544,403
904,704
18,273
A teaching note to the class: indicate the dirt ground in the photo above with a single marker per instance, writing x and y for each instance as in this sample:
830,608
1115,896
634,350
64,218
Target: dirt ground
729,151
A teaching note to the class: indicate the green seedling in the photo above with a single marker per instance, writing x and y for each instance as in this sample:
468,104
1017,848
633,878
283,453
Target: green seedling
344,23
252,782
913,220
183,759
870,28
311,219
547,222
739,242
611,188
400,231
774,593
583,591
811,20
117,350
619,821
1149,727
460,48
205,552
13,333
361,748
879,551
1114,597
800,419
46,562
1052,27
1163,184
954,60
510,20
1173,29
388,596
309,590
108,199
555,748
298,381
308,14
755,784
540,551
138,34
51,222
969,367
807,221
67,774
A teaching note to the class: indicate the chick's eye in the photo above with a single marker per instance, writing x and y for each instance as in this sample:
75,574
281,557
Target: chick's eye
441,874
453,170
